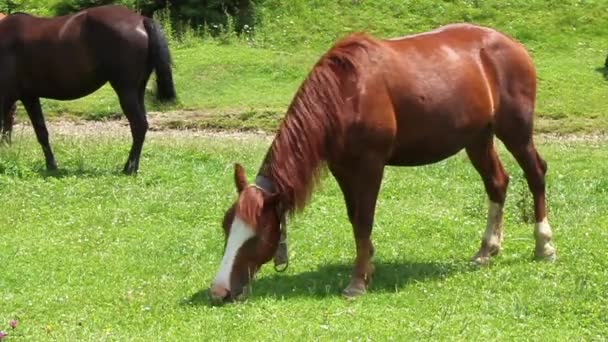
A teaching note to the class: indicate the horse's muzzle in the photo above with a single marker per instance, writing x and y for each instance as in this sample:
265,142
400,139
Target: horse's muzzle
218,294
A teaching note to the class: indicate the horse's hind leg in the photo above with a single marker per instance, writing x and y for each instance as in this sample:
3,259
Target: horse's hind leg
534,167
485,159
134,111
34,111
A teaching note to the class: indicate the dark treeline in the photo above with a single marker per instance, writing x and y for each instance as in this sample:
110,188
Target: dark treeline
197,13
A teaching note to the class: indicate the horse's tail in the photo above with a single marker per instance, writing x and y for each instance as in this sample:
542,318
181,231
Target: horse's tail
160,59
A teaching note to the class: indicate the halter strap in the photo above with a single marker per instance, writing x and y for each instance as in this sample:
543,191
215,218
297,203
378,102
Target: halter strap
264,184
281,256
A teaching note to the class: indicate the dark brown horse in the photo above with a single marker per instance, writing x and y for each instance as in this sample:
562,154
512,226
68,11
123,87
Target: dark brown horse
369,103
69,57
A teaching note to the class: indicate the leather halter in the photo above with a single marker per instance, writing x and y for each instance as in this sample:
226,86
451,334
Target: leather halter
267,186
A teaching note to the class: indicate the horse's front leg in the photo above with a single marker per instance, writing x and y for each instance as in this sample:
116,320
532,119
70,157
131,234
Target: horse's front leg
32,106
360,189
363,268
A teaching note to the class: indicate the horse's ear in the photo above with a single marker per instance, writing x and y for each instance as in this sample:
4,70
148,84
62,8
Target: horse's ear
239,178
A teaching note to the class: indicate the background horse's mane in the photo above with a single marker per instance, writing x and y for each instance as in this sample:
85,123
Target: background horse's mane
300,146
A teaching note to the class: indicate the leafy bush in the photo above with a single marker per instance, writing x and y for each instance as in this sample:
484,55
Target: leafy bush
210,13
213,14
71,6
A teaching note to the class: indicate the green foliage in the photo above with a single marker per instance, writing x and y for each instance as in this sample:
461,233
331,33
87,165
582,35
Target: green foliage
90,254
315,23
214,14
39,7
71,6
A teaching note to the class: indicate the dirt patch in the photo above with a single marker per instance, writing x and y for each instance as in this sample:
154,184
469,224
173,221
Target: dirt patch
120,128
158,127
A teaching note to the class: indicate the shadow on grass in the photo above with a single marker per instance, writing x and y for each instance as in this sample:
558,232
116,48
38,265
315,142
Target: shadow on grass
78,173
19,171
330,280
603,70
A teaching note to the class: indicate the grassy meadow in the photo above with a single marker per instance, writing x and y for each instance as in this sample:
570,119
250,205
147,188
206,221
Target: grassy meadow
89,254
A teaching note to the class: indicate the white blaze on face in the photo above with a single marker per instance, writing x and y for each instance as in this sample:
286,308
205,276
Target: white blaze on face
239,233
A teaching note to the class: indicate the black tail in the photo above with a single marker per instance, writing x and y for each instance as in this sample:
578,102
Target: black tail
160,58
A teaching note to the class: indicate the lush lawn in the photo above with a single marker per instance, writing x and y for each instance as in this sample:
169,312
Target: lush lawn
90,254
248,82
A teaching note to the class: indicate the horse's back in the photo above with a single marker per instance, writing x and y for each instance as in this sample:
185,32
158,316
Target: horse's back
466,53
445,85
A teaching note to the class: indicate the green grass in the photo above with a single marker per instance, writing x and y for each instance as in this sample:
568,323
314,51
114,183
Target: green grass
90,254
224,80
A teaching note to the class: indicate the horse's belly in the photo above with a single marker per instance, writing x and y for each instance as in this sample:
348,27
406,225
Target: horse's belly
61,84
431,141
422,154
69,91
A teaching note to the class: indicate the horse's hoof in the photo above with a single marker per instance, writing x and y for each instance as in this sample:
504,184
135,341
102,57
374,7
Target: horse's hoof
479,260
548,253
129,171
482,257
353,291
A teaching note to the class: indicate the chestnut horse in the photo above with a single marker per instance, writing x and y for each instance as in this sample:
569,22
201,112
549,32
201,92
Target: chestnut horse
369,103
6,119
72,56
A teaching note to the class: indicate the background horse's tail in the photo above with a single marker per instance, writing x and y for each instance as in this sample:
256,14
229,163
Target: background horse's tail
160,58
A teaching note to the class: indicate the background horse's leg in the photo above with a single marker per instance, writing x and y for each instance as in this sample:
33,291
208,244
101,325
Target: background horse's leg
495,179
7,120
136,114
360,186
32,106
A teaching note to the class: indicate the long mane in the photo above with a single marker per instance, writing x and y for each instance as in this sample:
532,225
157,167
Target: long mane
299,150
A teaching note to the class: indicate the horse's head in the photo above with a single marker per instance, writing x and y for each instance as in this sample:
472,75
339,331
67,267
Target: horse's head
252,228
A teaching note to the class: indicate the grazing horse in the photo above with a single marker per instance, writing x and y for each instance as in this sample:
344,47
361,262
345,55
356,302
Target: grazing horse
7,118
72,56
368,103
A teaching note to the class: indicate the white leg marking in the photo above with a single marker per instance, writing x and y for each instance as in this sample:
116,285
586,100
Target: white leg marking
492,238
240,232
543,231
543,235
493,234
